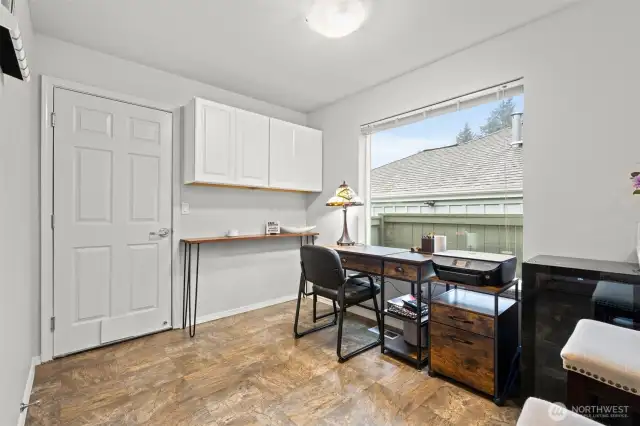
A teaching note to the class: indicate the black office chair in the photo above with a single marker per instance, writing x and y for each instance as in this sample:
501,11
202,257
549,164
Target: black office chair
322,267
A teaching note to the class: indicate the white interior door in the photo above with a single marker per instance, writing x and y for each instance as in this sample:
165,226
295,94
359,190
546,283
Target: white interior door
112,191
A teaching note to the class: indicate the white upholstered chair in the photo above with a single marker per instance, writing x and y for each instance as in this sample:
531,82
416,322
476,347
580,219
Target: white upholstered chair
537,412
602,362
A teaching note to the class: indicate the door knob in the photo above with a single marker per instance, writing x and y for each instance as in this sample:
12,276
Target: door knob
162,232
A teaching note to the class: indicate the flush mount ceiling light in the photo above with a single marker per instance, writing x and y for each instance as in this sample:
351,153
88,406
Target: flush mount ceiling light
337,18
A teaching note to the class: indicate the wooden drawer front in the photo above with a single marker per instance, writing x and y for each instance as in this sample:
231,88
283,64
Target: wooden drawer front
401,271
460,318
361,263
463,356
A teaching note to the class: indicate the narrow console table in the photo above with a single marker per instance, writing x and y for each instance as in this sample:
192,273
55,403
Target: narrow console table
556,293
186,279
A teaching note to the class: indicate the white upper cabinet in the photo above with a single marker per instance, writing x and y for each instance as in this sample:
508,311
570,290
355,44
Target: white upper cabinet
228,146
210,141
309,158
252,149
295,157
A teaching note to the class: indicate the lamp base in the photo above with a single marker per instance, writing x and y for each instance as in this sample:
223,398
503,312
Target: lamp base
345,240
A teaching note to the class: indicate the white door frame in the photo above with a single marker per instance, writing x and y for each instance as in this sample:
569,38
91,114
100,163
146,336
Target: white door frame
46,197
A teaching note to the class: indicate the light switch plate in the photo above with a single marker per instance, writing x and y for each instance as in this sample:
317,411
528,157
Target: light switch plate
185,208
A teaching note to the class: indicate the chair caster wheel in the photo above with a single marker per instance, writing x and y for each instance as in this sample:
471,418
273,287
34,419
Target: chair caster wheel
431,373
498,401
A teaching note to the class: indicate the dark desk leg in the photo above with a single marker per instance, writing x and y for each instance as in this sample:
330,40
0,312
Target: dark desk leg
382,314
496,392
184,289
418,296
429,370
186,294
305,292
192,332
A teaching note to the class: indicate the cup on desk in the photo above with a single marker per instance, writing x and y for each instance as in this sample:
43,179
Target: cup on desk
232,233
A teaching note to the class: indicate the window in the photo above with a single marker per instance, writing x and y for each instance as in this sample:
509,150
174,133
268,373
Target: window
454,169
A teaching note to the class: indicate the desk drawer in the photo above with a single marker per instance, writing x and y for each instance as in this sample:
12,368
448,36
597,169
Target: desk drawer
401,271
463,319
361,263
463,356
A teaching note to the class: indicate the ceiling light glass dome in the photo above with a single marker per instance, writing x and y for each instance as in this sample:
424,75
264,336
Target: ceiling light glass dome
337,18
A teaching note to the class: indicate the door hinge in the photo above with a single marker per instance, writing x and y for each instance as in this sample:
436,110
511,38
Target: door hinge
53,324
53,221
53,119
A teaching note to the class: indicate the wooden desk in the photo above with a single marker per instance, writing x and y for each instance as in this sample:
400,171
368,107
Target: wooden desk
400,264
186,279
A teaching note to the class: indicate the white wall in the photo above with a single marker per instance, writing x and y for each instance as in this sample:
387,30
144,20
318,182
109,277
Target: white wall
231,275
19,229
582,85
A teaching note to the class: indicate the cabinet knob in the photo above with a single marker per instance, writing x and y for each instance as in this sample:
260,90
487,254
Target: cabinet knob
343,260
399,269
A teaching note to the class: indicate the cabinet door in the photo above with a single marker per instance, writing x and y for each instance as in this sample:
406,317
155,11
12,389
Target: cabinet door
252,149
215,142
295,160
282,155
308,157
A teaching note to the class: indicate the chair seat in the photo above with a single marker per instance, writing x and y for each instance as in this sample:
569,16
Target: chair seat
604,352
357,290
616,295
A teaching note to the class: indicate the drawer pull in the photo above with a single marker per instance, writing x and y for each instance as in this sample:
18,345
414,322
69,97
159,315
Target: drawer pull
399,269
464,320
457,339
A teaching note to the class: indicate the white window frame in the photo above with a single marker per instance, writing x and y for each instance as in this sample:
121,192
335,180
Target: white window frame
479,97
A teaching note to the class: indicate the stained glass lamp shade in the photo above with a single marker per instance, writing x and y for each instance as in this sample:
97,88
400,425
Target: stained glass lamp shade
345,197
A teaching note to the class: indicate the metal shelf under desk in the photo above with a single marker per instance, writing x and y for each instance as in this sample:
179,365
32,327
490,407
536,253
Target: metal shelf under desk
415,268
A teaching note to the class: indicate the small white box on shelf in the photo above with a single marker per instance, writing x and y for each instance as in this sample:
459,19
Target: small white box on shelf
273,227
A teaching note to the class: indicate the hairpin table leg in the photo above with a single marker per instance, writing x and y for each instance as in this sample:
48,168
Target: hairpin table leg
184,289
306,292
192,332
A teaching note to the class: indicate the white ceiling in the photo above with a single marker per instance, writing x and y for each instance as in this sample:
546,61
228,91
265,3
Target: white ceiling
263,48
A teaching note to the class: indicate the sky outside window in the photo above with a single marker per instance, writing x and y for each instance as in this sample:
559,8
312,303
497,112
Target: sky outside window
436,132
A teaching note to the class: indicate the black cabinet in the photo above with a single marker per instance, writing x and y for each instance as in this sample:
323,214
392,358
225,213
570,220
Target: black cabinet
556,293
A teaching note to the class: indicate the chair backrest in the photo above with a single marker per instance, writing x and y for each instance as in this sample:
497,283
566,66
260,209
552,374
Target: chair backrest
322,266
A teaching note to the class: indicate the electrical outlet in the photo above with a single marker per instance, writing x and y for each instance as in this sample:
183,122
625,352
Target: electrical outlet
185,208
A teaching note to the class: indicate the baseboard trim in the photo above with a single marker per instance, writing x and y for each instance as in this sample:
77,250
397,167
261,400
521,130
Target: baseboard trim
35,361
243,309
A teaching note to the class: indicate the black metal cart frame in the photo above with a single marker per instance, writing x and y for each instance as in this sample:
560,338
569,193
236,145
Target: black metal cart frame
498,397
419,362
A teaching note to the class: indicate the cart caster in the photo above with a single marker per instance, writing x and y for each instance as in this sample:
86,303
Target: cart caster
498,401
